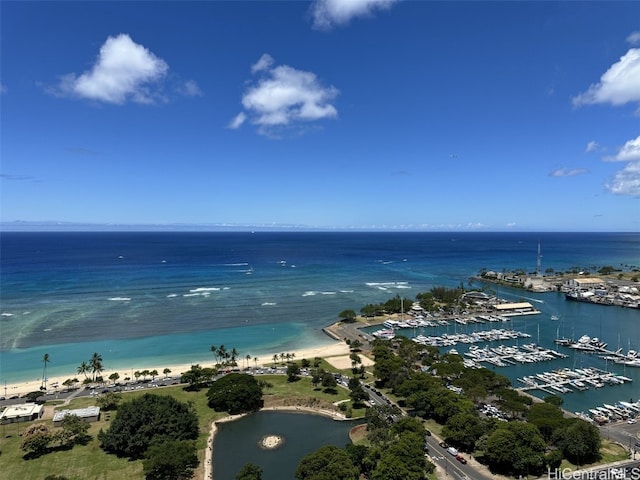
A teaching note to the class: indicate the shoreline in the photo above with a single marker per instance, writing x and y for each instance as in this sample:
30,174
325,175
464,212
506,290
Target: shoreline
339,348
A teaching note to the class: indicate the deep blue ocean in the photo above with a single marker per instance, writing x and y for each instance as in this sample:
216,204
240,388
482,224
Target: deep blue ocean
151,298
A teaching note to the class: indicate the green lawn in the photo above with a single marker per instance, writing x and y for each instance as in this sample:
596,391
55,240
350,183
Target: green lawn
89,462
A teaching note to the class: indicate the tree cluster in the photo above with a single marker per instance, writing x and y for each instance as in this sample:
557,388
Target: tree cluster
396,452
235,393
148,420
38,439
198,377
515,444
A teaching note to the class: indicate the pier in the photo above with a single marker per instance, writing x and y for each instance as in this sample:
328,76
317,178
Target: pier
568,380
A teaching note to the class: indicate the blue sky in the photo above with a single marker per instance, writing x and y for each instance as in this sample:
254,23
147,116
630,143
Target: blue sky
327,114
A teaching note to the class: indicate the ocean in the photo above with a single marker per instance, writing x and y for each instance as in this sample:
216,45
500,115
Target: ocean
153,298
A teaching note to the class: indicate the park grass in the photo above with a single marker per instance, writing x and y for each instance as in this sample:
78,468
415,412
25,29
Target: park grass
90,462
610,452
281,389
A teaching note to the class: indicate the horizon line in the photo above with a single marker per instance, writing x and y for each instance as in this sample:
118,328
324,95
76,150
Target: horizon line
57,226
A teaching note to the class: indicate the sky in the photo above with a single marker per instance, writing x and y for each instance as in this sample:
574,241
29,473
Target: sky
327,114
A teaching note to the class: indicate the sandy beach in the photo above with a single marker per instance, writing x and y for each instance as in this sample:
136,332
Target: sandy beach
338,349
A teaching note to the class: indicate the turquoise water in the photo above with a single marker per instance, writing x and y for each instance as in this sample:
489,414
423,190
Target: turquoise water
146,299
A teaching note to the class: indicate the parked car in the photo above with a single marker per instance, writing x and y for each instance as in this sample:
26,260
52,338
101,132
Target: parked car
461,459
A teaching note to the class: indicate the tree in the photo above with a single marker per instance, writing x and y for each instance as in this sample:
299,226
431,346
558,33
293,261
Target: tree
195,377
45,360
547,417
275,359
146,420
109,401
96,364
214,350
357,394
327,463
234,356
293,372
154,374
114,377
74,430
355,360
580,441
36,440
329,382
248,359
463,430
235,393
347,316
83,369
166,372
170,460
249,472
403,459
516,448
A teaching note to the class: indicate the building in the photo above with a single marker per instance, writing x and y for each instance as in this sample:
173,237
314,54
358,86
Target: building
585,283
514,309
21,413
88,414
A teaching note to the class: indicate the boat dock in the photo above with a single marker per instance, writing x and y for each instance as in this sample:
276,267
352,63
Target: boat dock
568,380
450,340
504,356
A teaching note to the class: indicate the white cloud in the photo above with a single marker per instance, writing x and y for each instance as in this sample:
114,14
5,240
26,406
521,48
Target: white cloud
618,85
190,89
592,147
330,13
237,121
567,172
124,70
3,88
264,63
634,38
626,181
629,152
284,97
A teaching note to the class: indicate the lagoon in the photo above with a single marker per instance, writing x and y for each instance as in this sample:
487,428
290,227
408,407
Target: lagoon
238,442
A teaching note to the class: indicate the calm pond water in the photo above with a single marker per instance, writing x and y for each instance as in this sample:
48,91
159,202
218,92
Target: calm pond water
237,442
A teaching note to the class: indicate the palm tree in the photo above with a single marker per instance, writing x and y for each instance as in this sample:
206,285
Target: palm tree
222,353
167,371
248,359
83,369
214,350
96,364
234,355
275,359
45,360
255,361
282,355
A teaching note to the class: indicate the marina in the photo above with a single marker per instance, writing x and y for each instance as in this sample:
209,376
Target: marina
568,380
